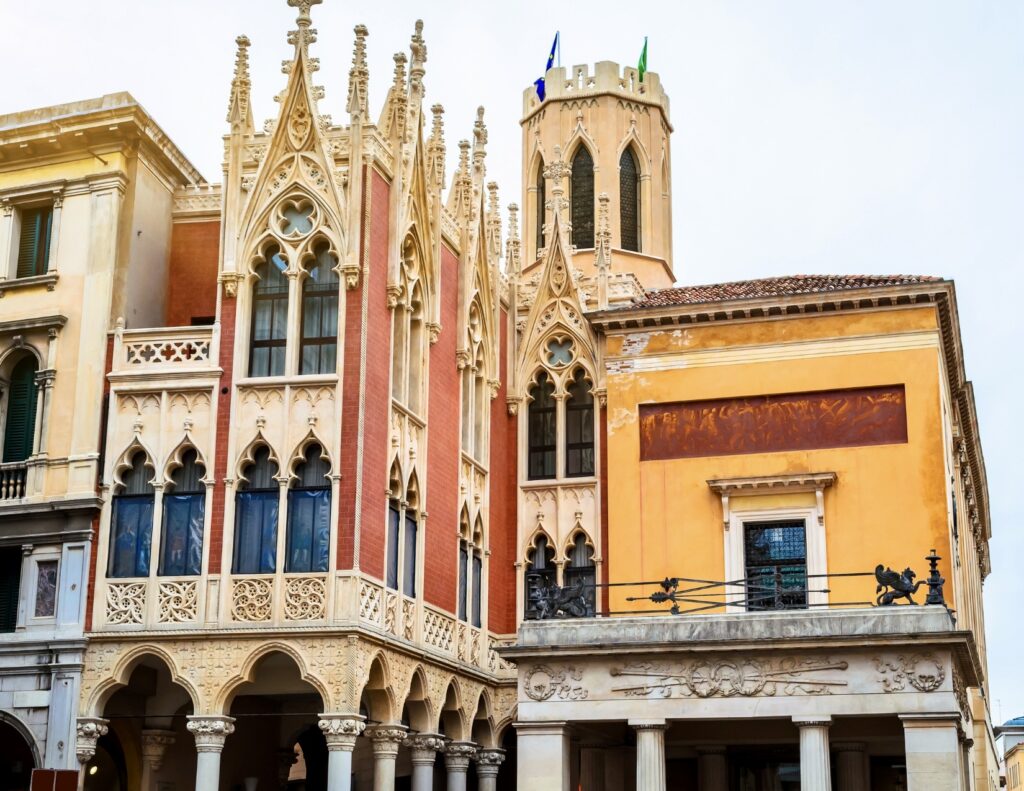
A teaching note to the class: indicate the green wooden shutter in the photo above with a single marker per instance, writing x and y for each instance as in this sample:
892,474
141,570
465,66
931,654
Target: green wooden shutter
10,583
34,245
21,411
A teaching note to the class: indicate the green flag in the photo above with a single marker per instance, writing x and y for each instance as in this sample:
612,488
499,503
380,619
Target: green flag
642,65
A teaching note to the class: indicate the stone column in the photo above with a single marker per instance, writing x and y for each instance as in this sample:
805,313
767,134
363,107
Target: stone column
488,762
542,756
424,747
850,767
210,731
340,732
386,741
592,768
650,754
89,731
712,768
815,767
154,744
457,756
932,748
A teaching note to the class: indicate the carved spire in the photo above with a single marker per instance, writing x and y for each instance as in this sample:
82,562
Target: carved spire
418,53
436,150
359,74
493,222
555,171
241,86
393,120
512,243
479,143
603,250
305,35
461,196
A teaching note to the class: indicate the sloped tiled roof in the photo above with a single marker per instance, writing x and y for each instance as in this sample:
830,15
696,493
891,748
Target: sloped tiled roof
773,287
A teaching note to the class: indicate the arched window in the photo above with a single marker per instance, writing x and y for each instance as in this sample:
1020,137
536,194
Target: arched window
410,530
416,336
20,420
540,573
629,201
256,508
581,196
471,570
131,522
309,514
464,549
580,570
269,316
579,427
541,431
394,541
541,201
184,503
403,529
478,573
408,334
319,349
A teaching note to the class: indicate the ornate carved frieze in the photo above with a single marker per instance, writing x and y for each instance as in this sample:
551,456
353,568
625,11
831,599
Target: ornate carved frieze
252,599
126,602
923,672
305,598
178,600
543,682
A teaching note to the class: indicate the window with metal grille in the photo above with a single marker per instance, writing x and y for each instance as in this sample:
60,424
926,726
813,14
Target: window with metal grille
20,420
131,531
319,348
776,565
34,243
309,514
269,316
256,509
581,197
541,200
540,573
629,201
541,431
579,427
580,571
184,505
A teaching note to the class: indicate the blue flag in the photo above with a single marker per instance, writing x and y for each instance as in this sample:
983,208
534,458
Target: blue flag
551,62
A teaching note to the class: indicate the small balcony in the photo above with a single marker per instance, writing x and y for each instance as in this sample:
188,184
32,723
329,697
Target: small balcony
174,351
13,480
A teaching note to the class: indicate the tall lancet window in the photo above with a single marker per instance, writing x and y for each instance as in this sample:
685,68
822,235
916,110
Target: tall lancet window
408,334
320,315
541,429
269,333
579,427
256,508
309,514
182,526
580,571
131,531
541,200
541,573
581,195
629,201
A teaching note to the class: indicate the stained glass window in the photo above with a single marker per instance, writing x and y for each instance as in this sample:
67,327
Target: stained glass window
776,563
582,198
629,201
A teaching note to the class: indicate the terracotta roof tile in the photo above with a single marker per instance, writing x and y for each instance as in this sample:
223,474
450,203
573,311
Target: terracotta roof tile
773,287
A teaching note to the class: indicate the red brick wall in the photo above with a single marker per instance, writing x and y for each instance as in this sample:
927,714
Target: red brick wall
94,573
375,422
192,276
501,569
440,565
222,430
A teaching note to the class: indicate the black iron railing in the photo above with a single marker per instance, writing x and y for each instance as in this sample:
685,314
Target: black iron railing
783,587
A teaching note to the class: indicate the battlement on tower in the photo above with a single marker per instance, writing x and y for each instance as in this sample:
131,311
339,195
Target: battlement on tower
607,77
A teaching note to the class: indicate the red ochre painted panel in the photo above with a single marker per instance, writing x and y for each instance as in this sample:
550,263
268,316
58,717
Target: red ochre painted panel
772,423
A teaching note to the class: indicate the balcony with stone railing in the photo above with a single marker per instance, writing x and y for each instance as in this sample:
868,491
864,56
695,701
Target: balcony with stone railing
170,351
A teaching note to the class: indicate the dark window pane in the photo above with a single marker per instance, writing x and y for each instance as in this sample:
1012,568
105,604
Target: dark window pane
394,518
269,317
309,530
19,431
409,564
34,244
10,585
478,571
182,528
256,532
463,572
629,201
776,565
581,195
541,200
579,428
541,430
130,535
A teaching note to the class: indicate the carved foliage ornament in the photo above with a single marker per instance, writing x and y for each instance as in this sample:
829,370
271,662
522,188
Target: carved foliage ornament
924,672
547,681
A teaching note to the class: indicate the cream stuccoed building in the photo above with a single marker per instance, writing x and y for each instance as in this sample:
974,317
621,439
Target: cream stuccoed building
362,483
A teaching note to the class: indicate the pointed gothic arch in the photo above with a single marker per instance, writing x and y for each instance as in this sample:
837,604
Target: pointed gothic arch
582,197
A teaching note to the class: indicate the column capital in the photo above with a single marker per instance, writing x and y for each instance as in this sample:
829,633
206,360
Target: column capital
931,720
648,725
424,747
89,731
457,755
210,731
386,738
341,730
488,761
813,722
154,745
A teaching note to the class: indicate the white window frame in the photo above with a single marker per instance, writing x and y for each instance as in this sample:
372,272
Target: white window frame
12,203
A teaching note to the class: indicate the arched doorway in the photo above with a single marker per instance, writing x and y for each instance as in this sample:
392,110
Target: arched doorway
277,740
17,758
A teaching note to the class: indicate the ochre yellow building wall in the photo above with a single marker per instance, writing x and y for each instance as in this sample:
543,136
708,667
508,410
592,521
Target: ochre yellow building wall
888,505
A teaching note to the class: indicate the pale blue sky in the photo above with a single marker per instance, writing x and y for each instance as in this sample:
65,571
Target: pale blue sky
810,136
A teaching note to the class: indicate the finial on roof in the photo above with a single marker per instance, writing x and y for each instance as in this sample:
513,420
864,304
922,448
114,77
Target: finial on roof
603,248
512,243
436,149
358,75
400,61
418,52
238,104
555,171
479,142
304,20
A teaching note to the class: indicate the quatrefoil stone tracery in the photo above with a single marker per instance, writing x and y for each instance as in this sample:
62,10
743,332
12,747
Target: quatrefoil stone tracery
296,219
559,352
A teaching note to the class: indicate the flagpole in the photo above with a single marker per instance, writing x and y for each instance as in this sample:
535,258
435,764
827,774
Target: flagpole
558,36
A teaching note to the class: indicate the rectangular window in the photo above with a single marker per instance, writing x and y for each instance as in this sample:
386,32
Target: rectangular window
10,583
34,243
776,565
309,530
46,589
463,572
182,552
409,565
256,532
478,571
542,433
394,518
130,536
